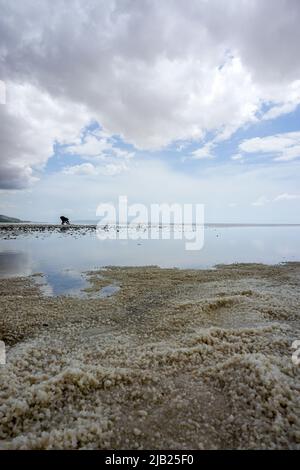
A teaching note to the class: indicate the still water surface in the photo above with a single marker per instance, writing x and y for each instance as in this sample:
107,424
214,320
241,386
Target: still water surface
62,259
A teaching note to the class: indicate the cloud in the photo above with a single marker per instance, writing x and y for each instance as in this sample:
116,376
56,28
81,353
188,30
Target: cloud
149,71
83,169
261,201
286,103
91,147
154,181
104,157
88,169
97,146
281,147
287,197
14,176
203,152
237,157
31,122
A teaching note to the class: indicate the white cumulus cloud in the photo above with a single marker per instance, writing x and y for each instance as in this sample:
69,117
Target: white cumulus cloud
281,147
149,71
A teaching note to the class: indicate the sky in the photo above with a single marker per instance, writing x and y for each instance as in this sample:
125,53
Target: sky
177,101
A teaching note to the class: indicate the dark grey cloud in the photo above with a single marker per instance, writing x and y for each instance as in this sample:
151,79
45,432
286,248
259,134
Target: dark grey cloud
14,177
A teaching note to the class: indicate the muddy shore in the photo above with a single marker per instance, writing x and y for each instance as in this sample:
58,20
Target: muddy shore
11,231
176,359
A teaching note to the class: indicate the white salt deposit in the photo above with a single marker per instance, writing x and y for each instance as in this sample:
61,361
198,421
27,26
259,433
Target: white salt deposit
175,359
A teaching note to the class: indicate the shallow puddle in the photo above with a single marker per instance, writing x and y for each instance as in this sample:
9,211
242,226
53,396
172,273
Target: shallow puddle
109,290
71,283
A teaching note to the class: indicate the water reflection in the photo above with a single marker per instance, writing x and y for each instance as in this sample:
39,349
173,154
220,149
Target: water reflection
109,290
15,263
62,257
67,282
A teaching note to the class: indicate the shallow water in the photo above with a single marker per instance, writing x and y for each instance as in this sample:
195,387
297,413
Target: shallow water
62,258
71,283
66,282
108,291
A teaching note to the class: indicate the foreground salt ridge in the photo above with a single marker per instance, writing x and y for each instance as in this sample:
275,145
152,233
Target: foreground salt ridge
176,359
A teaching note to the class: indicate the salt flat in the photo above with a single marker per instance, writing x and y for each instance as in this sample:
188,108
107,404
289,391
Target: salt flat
175,359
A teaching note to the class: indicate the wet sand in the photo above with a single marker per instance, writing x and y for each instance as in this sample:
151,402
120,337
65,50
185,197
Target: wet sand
176,359
12,231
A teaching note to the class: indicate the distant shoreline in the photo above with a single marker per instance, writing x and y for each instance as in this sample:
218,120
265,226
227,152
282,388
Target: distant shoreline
37,225
14,230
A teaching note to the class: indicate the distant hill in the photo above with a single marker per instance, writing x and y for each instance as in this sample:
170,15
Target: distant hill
9,220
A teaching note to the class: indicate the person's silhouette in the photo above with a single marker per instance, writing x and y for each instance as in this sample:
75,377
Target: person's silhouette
64,220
